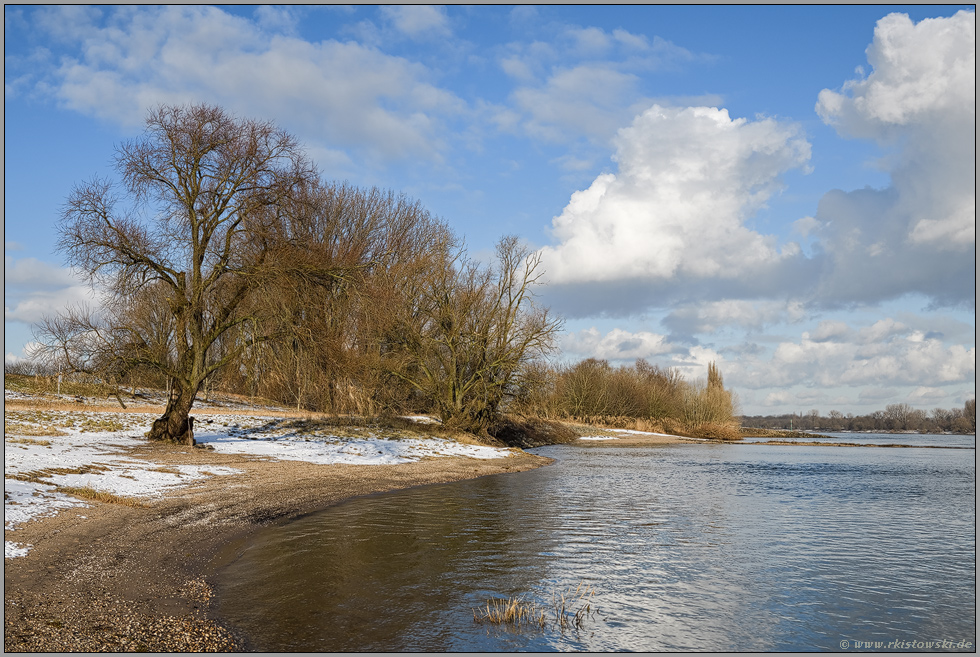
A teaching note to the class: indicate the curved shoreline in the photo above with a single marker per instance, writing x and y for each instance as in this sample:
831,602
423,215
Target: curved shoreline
110,577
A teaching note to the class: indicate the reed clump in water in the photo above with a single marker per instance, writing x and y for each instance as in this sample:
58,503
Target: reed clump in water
573,608
570,609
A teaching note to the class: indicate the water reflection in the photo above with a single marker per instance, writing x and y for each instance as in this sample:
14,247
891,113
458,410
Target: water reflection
689,547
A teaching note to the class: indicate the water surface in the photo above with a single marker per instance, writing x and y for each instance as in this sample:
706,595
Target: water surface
689,547
869,438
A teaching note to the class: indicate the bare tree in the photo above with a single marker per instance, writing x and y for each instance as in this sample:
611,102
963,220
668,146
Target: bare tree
206,191
901,416
469,330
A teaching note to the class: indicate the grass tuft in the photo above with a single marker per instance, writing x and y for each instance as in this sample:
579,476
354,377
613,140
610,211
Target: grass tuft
573,607
29,441
569,610
89,493
101,424
26,429
515,612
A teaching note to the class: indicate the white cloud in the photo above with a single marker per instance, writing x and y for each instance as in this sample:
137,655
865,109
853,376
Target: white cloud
676,209
919,234
584,84
830,330
35,289
590,99
616,345
920,71
345,94
623,347
883,355
27,353
418,21
35,274
277,19
708,317
590,41
671,225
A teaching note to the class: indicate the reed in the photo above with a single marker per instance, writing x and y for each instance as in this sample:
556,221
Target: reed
516,612
573,607
570,609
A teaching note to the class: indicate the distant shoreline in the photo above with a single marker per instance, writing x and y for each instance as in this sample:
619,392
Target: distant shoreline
817,443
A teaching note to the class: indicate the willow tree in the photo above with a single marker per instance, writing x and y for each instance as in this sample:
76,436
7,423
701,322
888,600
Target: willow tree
192,221
465,333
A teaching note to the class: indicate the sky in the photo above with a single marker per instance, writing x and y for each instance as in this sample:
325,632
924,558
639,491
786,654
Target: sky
786,191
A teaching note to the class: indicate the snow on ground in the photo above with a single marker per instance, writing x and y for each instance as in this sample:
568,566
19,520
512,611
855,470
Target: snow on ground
91,453
293,441
624,432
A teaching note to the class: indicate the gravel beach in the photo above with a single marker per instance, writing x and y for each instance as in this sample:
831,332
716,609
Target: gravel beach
114,577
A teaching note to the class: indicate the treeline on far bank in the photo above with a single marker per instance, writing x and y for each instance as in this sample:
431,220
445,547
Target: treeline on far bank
895,417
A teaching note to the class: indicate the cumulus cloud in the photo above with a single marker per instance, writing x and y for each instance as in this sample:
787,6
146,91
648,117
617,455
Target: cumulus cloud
917,235
591,100
882,355
708,317
34,289
418,21
687,181
616,345
584,84
28,353
671,225
346,94
624,347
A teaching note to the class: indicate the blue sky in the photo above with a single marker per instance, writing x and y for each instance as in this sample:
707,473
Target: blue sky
788,191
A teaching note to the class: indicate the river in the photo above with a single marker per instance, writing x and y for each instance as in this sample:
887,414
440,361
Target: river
687,547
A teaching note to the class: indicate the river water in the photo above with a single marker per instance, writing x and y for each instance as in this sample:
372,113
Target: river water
687,547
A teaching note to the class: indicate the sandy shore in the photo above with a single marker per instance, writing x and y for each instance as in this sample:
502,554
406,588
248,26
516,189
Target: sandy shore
637,440
110,577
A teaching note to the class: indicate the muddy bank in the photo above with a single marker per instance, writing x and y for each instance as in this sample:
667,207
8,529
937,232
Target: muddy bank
110,577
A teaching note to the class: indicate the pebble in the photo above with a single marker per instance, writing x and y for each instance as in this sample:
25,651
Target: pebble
108,625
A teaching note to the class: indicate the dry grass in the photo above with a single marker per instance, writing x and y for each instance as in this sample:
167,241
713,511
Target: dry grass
165,470
526,432
101,424
30,429
39,476
41,403
89,493
515,612
30,441
570,609
573,607
717,431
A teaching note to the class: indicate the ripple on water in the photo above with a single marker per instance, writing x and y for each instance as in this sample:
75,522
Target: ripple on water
698,547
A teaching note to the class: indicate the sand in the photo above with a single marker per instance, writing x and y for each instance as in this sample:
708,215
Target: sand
111,577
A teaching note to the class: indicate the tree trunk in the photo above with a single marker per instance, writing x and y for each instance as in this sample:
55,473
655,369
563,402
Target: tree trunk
175,425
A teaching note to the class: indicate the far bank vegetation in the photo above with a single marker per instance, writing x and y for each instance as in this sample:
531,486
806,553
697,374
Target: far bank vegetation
225,263
640,396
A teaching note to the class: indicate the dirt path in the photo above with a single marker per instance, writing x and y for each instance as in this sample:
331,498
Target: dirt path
110,577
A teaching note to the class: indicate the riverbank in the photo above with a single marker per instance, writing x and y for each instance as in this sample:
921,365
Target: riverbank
110,539
115,577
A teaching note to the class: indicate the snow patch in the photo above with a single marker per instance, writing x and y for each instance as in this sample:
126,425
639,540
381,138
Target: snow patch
97,459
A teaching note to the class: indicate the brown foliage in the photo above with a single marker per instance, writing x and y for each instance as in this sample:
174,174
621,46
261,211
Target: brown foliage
640,397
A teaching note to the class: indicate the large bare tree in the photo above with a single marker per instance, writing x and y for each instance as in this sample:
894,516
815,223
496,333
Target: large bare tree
205,194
